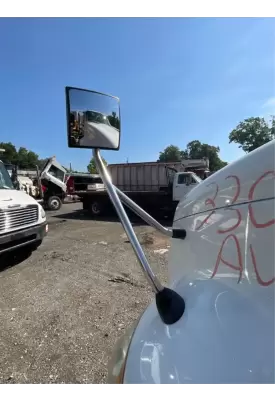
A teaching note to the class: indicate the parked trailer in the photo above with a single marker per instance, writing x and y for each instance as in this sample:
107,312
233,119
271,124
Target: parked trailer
155,186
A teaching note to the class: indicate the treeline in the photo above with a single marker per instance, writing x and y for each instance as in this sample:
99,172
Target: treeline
114,120
23,158
194,150
249,135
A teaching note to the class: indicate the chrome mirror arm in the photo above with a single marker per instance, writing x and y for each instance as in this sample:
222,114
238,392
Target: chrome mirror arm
170,304
153,280
143,214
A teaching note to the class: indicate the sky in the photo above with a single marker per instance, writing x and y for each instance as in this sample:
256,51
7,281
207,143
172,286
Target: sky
81,100
177,79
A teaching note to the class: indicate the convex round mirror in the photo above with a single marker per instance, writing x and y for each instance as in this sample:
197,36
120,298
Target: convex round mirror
93,119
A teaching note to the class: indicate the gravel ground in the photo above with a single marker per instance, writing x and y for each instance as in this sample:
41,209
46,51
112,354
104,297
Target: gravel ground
63,308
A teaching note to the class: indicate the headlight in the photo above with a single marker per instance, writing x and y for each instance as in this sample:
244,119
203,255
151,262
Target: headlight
116,367
42,212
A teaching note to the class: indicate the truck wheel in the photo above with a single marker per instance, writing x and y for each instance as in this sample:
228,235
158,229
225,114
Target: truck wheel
54,203
95,208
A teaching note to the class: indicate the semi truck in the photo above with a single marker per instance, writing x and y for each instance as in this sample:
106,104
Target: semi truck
154,186
23,224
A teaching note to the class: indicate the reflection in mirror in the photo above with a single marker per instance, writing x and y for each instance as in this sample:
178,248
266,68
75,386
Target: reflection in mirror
93,119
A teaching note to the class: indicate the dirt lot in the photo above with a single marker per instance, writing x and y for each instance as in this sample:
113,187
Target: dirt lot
63,308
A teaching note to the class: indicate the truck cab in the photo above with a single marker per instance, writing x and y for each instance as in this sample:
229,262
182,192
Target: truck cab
53,181
182,184
47,186
22,220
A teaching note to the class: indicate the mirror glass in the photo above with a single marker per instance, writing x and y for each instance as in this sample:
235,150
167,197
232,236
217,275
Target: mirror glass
93,119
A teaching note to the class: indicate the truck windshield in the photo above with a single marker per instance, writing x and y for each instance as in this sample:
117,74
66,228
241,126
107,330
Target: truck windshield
93,116
57,173
5,180
188,178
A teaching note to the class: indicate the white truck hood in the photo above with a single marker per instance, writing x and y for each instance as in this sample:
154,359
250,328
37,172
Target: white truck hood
233,183
224,270
232,214
12,197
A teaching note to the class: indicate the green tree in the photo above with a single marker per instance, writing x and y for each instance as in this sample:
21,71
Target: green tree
10,154
41,163
114,120
91,167
22,158
26,159
273,126
194,150
171,154
33,159
197,150
253,133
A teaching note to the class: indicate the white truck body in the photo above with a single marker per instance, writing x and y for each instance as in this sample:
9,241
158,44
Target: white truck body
150,184
182,183
156,176
22,219
148,176
224,270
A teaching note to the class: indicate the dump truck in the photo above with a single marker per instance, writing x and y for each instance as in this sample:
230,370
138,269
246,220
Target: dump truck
47,186
154,186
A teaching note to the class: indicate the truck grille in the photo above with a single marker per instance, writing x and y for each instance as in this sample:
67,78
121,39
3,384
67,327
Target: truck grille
18,217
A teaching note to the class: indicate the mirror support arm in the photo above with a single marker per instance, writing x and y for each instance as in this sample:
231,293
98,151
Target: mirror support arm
143,214
154,282
170,305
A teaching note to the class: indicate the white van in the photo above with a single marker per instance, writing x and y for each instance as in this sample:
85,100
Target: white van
22,220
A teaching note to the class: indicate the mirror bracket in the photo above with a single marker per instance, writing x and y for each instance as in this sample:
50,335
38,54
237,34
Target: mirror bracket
170,305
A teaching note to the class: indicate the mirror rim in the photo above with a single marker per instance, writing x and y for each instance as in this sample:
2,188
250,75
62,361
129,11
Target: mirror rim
67,94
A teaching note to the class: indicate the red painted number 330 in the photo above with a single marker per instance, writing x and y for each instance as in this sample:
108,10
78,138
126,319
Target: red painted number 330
230,230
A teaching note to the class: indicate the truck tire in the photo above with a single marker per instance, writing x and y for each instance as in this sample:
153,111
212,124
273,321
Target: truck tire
95,208
54,203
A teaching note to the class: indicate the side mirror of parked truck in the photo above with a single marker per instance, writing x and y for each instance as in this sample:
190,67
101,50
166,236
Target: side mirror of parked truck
214,323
